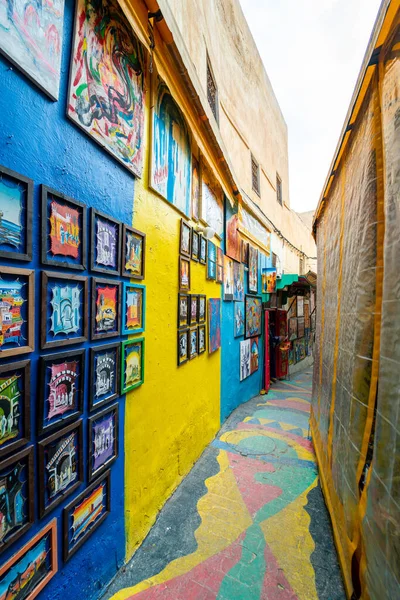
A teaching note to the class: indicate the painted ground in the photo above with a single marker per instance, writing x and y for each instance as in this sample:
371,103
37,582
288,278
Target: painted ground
249,521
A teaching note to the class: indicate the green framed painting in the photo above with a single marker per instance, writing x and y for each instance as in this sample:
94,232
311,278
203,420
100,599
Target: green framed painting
132,364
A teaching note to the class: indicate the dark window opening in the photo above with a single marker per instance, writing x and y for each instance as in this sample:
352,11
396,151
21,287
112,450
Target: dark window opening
212,91
279,189
255,175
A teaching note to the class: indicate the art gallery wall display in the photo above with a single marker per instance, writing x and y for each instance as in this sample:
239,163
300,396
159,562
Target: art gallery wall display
238,282
17,496
193,342
133,308
16,197
292,328
245,364
105,236
183,346
104,375
300,327
17,293
106,304
15,423
245,252
185,240
254,355
253,270
195,188
202,308
60,460
252,316
103,440
214,324
203,250
194,299
133,253
238,319
183,310
184,274
220,266
195,245
212,200
211,261
30,569
85,513
202,339
63,238
64,309
132,364
228,279
268,280
300,306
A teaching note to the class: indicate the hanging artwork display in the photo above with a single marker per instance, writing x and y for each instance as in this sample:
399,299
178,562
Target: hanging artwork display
214,324
253,270
228,279
185,239
212,200
254,228
220,266
244,359
299,348
104,375
60,466
254,355
300,327
203,250
15,423
61,389
238,282
202,339
63,240
195,245
16,311
238,320
133,253
201,316
211,261
16,193
106,236
171,156
183,310
103,440
132,364
16,497
268,280
233,246
245,253
183,346
252,316
133,308
106,301
194,299
184,274
193,342
107,82
300,306
195,189
292,328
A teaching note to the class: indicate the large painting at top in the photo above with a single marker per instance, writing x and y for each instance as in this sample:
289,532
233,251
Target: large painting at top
171,159
106,93
212,200
31,37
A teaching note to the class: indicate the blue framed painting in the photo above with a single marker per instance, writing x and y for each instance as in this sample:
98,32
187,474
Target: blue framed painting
17,315
238,319
211,261
15,422
104,375
16,194
106,236
133,308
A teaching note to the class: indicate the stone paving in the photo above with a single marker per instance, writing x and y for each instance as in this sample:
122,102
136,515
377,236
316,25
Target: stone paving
249,521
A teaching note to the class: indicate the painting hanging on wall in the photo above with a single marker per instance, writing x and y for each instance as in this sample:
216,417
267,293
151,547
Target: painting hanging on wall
253,270
132,364
299,348
194,299
203,250
202,339
214,324
133,308
17,311
63,240
245,253
195,189
195,245
300,327
106,301
220,266
300,306
228,279
183,310
103,440
233,246
185,239
31,39
254,355
61,389
183,346
133,252
306,314
193,342
201,317
16,193
104,375
84,514
184,274
238,282
268,277
238,320
105,243
171,156
212,200
211,261
252,316
15,423
292,328
244,359
107,82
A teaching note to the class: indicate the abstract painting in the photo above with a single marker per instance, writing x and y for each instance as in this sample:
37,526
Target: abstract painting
185,239
132,364
299,349
238,282
16,193
244,359
103,440
203,250
201,316
202,339
105,308
214,324
133,308
16,311
184,274
31,38
228,279
253,270
211,261
195,189
15,421
233,247
134,252
85,514
107,81
254,355
212,201
268,276
104,375
238,320
105,243
171,156
195,245
252,316
183,346
193,342
193,309
183,310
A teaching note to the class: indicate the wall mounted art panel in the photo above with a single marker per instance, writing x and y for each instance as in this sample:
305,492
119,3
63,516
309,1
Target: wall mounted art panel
238,319
245,359
106,308
133,308
212,200
15,424
214,324
211,261
195,245
220,266
103,440
253,270
202,308
228,279
268,280
238,282
195,189
203,250
184,274
16,192
17,311
193,342
254,355
233,245
252,316
104,375
183,310
202,339
183,346
133,252
185,239
132,364
106,235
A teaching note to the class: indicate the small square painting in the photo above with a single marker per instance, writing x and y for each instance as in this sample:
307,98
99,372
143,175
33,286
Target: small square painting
133,308
132,364
105,308
16,197
105,243
134,252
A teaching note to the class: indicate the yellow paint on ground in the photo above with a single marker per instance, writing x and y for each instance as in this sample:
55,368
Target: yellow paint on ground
285,426
234,437
275,401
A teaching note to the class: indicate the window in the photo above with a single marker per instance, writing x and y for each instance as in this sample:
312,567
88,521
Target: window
255,175
274,259
279,189
212,91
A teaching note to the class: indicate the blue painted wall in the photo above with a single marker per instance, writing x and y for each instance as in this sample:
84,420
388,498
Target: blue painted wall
37,140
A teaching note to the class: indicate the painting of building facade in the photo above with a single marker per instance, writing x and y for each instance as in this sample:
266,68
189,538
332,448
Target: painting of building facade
12,323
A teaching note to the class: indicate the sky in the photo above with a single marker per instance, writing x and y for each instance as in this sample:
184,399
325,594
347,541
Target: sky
312,51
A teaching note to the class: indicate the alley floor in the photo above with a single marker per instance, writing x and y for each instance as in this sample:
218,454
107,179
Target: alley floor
249,522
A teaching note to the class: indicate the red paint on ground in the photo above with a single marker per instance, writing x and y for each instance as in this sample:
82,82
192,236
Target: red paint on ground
276,586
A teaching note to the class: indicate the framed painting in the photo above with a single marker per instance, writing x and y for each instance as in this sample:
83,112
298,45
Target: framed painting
185,239
183,346
193,342
212,200
220,266
104,375
245,361
292,328
195,245
85,513
254,355
133,308
17,496
195,189
106,303
268,280
238,320
202,303
15,422
106,235
194,308
203,250
253,270
63,240
202,339
245,252
300,306
214,324
183,310
132,364
184,274
252,316
238,282
300,327
116,119
17,315
60,458
211,261
232,239
64,309
228,279
133,253
103,440
30,569
16,198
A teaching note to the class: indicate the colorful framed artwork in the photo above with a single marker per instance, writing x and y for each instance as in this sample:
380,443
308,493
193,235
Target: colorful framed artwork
85,513
202,339
133,253
183,346
184,274
195,189
228,279
183,310
252,316
133,308
220,266
16,197
214,324
245,252
232,238
212,200
253,270
26,573
193,342
15,422
61,389
238,282
104,375
63,240
292,328
60,466
64,309
185,240
238,320
268,280
300,327
245,360
202,308
103,440
106,235
16,497
194,303
106,303
300,306
211,261
254,355
195,245
17,315
132,364
203,250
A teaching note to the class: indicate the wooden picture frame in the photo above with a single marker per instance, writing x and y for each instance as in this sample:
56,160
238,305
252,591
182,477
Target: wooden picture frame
183,319
252,274
112,373
202,347
184,287
203,250
251,327
132,273
193,309
95,263
193,342
94,472
54,342
9,387
126,328
202,308
195,252
125,386
23,277
46,231
23,249
183,338
185,239
101,324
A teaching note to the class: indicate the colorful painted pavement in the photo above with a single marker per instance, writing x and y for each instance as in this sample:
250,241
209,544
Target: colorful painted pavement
249,521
